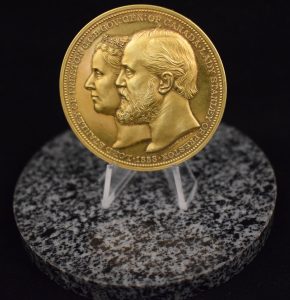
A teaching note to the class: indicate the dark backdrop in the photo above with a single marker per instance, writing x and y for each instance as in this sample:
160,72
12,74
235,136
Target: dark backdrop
253,42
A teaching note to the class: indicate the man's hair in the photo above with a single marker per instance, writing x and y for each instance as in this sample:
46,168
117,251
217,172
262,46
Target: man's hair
112,48
168,51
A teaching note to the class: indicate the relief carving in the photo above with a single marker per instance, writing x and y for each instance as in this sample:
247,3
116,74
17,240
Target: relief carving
145,82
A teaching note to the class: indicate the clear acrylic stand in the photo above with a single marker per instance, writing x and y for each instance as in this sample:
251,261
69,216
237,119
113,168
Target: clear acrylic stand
116,179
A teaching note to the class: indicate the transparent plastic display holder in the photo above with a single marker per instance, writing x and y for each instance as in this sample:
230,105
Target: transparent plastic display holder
116,179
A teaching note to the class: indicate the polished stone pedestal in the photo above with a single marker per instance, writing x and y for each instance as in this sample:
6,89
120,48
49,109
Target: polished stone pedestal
144,246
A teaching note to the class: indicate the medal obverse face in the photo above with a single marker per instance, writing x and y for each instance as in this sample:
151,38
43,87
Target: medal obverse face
143,87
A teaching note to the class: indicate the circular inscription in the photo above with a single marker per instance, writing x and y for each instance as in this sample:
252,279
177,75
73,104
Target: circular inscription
143,87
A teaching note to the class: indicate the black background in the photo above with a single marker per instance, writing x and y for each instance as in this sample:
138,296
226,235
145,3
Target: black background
253,41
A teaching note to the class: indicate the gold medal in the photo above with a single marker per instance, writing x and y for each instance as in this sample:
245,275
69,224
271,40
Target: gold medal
143,87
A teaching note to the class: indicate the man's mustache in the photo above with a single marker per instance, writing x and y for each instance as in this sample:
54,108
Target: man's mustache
123,92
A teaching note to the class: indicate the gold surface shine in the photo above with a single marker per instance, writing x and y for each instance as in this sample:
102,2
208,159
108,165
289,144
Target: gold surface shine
143,87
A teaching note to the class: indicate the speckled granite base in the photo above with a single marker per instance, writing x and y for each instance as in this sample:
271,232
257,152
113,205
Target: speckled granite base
144,247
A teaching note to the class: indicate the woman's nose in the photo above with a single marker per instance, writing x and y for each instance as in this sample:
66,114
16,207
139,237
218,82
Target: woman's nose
89,85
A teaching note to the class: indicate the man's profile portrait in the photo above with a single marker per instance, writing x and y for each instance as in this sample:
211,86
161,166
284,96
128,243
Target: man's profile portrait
156,82
105,68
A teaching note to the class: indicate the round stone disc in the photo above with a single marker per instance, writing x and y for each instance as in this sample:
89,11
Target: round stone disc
144,246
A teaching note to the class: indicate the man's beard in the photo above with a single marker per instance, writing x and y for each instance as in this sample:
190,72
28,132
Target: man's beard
144,108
